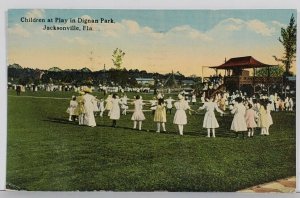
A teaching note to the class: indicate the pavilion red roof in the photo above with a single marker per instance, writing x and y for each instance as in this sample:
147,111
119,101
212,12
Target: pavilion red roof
242,62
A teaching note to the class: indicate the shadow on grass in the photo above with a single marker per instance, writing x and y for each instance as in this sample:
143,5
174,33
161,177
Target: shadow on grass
66,121
60,121
203,133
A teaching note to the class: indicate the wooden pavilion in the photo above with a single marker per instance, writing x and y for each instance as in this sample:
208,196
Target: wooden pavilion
237,77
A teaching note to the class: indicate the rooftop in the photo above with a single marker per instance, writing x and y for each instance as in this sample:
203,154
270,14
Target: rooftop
242,62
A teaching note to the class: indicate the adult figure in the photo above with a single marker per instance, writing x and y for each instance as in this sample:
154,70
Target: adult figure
89,100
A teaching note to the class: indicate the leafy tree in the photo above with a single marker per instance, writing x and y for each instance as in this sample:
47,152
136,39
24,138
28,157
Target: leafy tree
118,55
288,40
274,71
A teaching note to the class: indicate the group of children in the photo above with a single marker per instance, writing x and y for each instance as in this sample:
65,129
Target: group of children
80,109
248,113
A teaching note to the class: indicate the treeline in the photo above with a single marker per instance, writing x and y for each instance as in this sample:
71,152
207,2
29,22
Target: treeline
23,76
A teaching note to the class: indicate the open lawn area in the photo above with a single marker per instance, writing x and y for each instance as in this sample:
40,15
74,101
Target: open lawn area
47,152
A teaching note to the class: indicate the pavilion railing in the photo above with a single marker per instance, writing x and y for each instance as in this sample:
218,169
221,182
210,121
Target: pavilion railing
249,80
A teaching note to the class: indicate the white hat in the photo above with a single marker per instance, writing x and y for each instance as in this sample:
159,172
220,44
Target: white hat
87,90
81,92
180,97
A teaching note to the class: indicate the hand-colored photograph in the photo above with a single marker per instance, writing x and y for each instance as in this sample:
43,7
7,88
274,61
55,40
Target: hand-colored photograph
151,100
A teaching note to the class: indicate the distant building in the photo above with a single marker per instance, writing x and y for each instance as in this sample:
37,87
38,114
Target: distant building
188,82
145,81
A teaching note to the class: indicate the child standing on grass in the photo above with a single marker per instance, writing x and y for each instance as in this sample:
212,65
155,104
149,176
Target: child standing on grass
153,105
108,103
89,100
138,115
180,117
160,115
263,117
194,100
250,120
79,111
210,121
269,117
71,109
169,104
101,107
124,106
115,110
238,124
96,107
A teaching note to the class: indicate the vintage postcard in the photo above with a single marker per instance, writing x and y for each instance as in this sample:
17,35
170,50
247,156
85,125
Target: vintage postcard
151,100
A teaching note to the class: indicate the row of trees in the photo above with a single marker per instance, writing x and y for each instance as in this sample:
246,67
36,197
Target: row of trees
122,77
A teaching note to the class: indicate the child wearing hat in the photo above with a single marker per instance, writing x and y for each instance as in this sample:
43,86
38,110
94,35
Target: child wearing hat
89,104
180,117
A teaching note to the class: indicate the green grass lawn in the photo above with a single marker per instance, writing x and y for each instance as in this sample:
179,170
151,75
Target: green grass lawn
47,152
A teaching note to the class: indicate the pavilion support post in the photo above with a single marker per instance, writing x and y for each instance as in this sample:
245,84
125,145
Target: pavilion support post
268,81
253,80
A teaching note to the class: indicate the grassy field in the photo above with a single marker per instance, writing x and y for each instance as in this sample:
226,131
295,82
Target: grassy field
47,152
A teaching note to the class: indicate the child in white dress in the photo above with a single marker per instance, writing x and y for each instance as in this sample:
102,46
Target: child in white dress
169,104
194,100
239,123
124,106
115,110
291,104
108,105
287,103
210,121
153,103
101,107
269,117
72,107
138,115
264,122
96,107
180,117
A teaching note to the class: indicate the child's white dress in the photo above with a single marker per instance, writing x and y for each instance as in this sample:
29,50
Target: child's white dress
210,121
115,109
239,122
180,115
138,114
72,107
194,99
169,103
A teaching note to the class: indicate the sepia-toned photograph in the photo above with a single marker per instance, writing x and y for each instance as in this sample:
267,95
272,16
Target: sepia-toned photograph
151,100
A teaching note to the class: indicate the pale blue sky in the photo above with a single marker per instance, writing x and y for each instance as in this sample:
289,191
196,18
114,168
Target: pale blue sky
155,40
